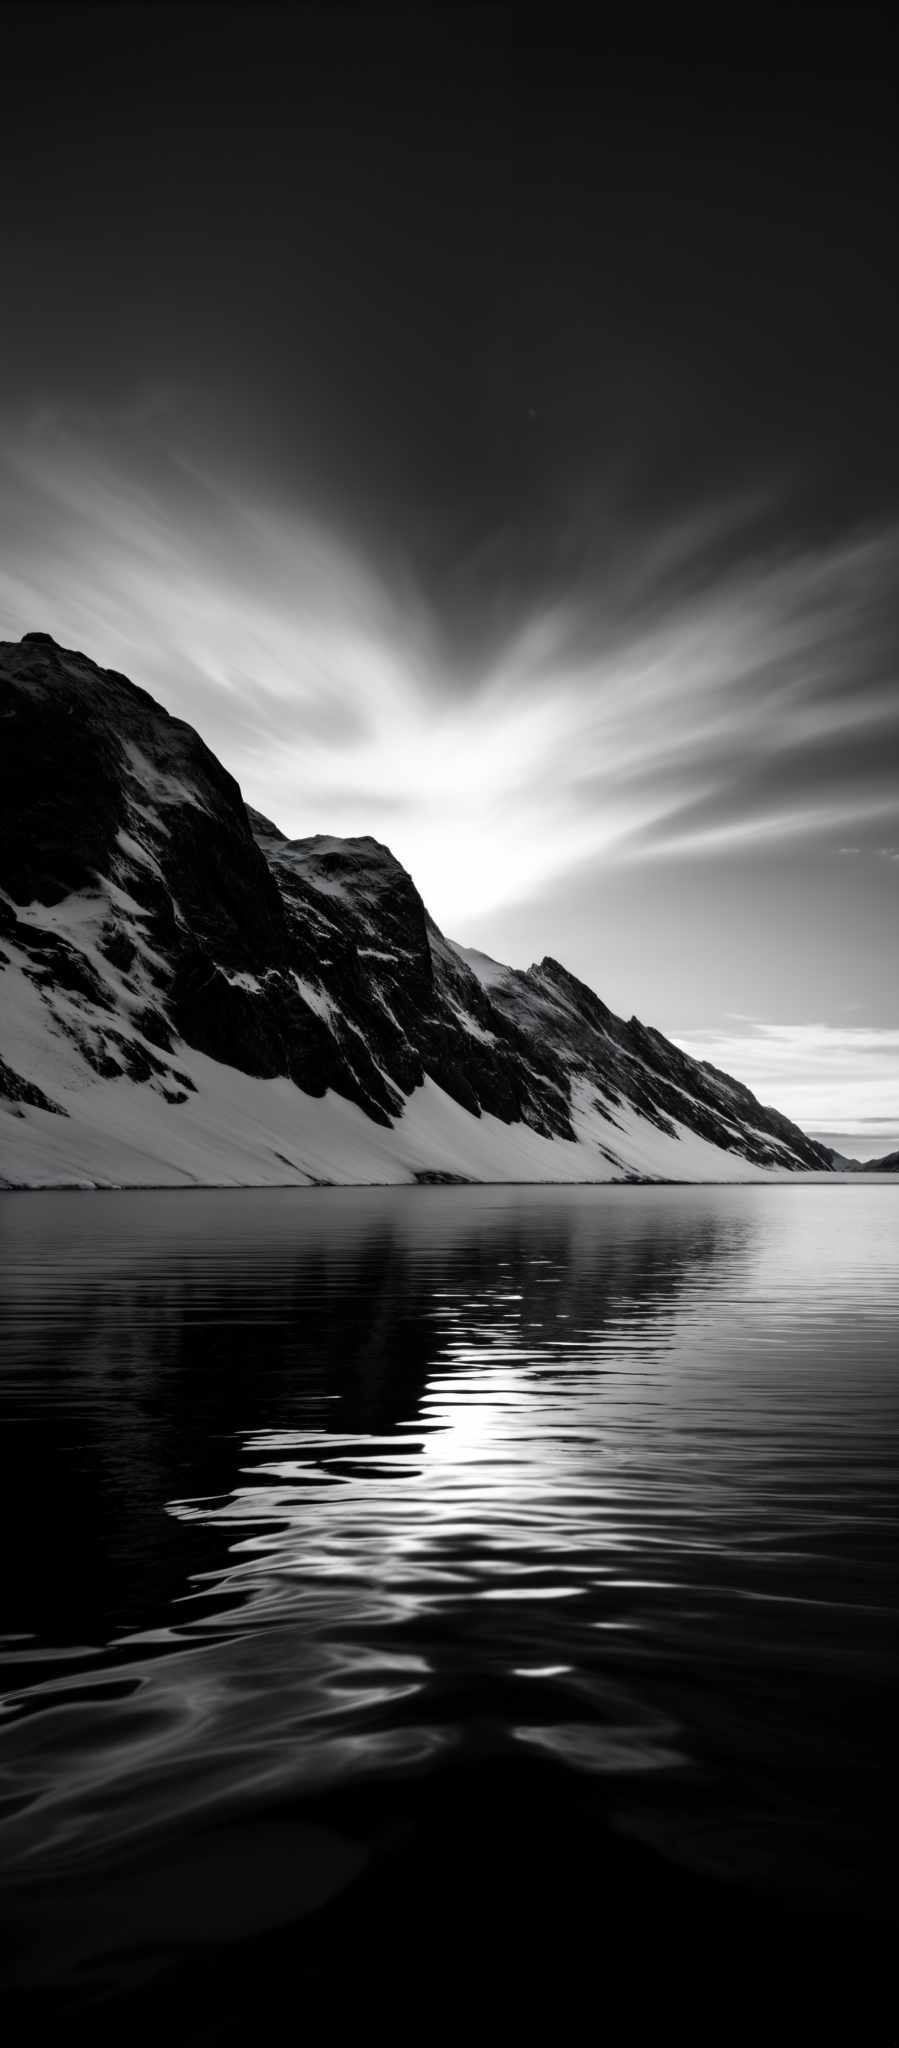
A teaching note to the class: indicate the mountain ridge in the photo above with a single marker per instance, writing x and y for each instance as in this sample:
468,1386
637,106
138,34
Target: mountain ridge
169,959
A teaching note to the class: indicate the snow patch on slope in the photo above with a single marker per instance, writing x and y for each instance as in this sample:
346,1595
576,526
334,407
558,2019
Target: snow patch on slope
159,783
238,1131
315,998
489,972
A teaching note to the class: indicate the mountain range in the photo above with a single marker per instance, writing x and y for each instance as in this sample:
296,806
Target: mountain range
188,997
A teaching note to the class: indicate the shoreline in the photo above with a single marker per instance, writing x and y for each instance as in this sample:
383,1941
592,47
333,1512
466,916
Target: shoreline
431,1184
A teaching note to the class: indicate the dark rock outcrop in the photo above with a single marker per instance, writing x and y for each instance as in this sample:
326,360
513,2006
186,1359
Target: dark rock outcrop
17,1092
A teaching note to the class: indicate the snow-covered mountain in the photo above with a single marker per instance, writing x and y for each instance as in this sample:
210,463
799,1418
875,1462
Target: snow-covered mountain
186,996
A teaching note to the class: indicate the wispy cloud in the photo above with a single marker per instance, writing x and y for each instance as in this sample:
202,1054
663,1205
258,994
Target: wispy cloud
822,1075
690,697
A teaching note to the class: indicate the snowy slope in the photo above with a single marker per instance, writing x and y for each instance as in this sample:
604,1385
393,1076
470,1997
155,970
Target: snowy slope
188,997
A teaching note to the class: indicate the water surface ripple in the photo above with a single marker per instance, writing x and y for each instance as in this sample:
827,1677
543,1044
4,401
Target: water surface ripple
310,1489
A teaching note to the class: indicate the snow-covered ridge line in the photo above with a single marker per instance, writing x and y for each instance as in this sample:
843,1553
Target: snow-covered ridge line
189,998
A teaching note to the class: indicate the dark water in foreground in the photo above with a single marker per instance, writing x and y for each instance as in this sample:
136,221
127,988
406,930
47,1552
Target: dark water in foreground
451,1604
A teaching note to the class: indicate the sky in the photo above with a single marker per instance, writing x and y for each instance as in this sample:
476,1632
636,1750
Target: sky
488,440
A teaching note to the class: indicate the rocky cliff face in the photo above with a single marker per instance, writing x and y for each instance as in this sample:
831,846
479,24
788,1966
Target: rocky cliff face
147,917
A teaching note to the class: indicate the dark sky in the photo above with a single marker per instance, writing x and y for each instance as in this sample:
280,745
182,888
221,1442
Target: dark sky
488,437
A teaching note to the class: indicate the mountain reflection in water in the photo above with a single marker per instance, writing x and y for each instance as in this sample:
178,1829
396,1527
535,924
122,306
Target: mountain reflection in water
522,1522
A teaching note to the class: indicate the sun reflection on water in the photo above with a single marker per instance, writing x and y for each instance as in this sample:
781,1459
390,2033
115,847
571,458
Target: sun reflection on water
582,1472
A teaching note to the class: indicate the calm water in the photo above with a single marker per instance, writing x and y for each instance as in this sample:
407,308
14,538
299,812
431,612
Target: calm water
385,1567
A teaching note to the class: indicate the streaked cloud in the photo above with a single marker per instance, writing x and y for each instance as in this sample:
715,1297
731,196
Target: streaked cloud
822,1075
690,697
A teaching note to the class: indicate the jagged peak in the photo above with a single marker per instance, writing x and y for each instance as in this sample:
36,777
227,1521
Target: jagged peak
363,859
321,843
265,832
73,670
574,992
